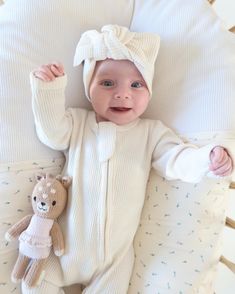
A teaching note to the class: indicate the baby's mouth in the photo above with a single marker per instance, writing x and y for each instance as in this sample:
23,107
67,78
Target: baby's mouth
120,109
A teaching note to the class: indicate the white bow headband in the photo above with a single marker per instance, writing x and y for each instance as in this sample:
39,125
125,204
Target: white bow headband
118,43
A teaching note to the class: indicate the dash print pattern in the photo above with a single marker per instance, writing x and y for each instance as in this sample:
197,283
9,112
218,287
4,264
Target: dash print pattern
178,242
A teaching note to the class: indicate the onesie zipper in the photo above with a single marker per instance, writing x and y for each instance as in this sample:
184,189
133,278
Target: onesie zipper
106,145
104,207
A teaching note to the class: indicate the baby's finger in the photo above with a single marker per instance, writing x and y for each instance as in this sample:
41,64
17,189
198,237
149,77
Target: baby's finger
46,70
59,66
217,154
224,168
42,76
216,164
57,71
227,173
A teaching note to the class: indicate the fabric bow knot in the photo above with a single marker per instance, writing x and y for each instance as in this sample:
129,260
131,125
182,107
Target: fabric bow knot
118,43
112,42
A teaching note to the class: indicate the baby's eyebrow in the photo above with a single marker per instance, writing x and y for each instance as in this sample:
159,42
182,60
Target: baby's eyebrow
104,74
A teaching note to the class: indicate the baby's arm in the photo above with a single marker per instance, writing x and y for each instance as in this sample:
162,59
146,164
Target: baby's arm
53,122
174,159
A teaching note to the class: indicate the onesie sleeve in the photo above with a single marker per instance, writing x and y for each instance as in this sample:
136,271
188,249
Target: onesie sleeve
175,160
53,123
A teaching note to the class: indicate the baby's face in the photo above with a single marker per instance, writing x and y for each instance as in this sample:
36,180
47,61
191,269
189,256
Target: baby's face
118,91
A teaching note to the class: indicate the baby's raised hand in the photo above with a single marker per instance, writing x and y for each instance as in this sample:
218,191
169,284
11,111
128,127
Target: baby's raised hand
221,162
49,72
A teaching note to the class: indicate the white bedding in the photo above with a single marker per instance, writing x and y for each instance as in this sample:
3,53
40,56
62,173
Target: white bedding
193,88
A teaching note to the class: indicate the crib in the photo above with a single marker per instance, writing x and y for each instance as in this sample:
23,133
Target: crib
193,93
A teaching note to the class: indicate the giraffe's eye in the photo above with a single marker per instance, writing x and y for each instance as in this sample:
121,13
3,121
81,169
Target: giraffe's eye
54,203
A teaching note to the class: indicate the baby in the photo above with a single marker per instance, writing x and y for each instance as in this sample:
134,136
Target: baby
109,153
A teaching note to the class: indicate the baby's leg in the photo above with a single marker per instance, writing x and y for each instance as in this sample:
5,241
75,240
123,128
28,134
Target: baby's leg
114,279
44,288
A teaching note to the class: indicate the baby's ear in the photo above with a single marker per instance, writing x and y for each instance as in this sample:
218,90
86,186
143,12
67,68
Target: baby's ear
40,176
66,181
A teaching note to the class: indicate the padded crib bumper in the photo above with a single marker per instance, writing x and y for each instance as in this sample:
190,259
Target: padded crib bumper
231,224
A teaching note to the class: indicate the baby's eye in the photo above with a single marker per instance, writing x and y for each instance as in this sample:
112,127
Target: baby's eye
107,83
136,85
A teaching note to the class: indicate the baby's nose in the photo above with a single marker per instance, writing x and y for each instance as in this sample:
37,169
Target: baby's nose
122,94
119,96
122,91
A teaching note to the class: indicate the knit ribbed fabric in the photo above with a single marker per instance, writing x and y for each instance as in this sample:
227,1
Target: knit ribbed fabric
194,81
29,37
195,69
45,288
193,89
110,165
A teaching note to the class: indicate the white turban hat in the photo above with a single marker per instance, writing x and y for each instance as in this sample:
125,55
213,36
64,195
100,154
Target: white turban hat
118,43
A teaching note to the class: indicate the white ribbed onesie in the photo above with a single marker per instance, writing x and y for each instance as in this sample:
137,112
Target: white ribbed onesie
110,166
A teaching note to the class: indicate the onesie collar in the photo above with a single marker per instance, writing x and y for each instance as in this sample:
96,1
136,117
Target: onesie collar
119,128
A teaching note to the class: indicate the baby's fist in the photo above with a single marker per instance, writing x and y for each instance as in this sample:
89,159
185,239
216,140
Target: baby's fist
49,72
221,162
